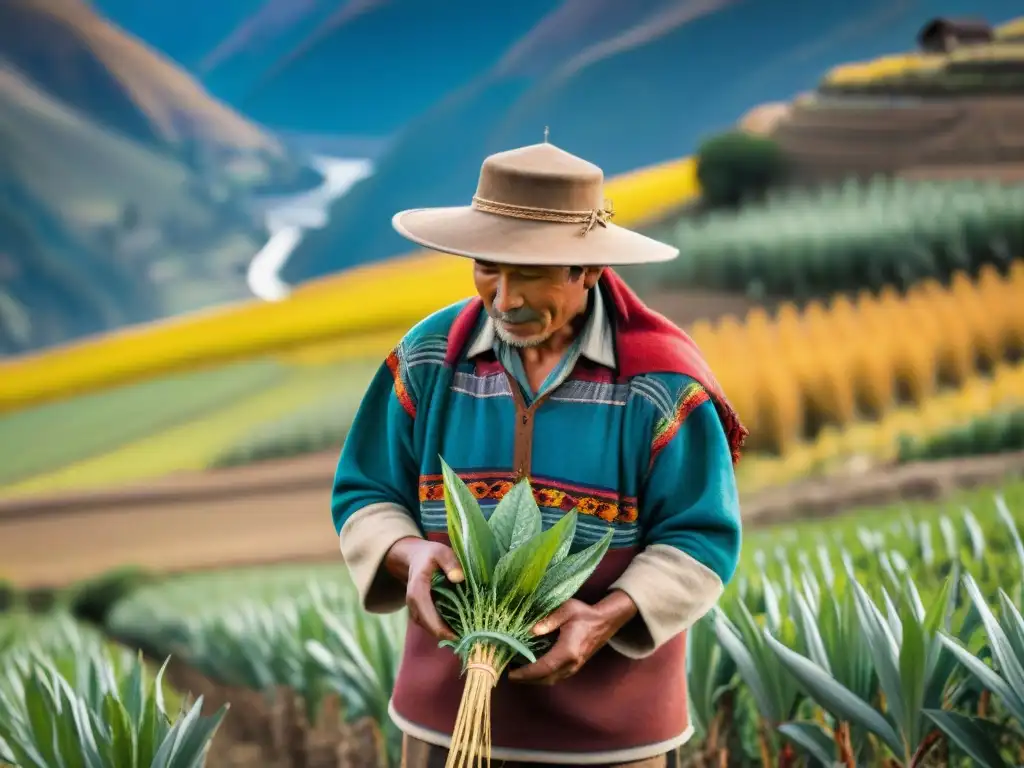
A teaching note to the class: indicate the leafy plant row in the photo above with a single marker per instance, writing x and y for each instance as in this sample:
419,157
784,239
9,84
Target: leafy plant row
251,629
319,428
798,243
998,432
67,698
804,615
877,646
278,630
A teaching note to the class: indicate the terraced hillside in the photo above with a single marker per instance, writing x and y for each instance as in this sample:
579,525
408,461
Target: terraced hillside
831,138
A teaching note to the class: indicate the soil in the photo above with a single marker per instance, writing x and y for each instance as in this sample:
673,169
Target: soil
278,511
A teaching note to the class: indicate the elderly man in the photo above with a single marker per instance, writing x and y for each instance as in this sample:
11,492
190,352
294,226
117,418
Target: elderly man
559,373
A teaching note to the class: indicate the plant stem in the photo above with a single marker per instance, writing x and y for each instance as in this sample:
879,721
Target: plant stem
471,737
983,703
926,746
763,742
843,745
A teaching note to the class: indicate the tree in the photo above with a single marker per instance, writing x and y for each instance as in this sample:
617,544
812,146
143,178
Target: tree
737,166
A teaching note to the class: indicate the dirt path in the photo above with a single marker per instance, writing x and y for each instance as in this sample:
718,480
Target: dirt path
278,511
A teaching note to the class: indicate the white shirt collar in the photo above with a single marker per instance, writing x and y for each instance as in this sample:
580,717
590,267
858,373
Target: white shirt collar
598,335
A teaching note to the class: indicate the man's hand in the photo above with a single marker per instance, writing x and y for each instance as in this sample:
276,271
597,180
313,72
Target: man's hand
583,631
415,561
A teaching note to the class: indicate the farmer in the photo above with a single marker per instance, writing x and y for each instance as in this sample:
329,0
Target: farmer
556,372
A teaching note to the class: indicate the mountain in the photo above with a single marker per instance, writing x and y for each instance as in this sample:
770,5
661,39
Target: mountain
86,172
102,71
98,230
624,85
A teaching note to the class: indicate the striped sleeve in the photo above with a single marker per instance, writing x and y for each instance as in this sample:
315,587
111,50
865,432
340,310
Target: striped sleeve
374,499
690,519
397,365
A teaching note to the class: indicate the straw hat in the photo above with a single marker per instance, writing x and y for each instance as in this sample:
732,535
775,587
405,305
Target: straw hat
537,205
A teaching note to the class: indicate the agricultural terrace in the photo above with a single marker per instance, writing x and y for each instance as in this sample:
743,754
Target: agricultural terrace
847,376
884,637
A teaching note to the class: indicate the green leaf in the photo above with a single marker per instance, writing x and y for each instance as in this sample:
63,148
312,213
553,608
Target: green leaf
150,733
122,734
812,739
1011,668
520,572
477,548
466,643
42,716
968,735
834,697
912,661
564,579
195,735
502,521
528,523
884,651
729,637
985,675
568,535
811,634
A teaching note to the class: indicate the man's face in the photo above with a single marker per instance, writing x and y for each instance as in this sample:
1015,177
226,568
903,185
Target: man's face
529,304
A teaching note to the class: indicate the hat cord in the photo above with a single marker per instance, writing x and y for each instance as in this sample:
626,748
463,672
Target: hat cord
589,219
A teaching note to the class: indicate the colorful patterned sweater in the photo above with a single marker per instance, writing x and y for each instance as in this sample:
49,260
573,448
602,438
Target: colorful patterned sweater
637,438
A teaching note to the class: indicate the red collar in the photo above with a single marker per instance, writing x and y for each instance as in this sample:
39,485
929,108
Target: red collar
645,342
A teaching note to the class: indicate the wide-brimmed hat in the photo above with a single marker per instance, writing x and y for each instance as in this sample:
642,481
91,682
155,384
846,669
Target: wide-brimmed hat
536,205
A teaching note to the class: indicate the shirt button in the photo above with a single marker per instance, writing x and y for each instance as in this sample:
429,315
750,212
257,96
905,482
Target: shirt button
526,418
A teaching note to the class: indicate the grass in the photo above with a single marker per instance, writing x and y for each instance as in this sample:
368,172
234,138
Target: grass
39,441
193,444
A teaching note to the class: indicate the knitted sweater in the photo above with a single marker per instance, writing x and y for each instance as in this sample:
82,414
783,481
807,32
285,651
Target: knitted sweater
642,444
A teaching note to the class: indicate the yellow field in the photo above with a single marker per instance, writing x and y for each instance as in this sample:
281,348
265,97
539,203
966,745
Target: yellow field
879,440
1011,29
836,363
342,306
885,66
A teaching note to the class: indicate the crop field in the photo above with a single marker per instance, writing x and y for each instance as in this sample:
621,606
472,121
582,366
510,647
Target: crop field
167,425
884,637
842,377
41,439
855,236
835,362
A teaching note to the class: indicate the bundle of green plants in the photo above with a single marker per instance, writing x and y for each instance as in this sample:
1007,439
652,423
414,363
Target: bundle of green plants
515,575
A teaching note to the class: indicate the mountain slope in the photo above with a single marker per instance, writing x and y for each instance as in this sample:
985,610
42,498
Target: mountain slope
647,89
82,59
86,172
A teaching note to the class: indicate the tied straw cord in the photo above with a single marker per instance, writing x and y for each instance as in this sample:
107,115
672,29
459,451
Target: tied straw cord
589,219
485,668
